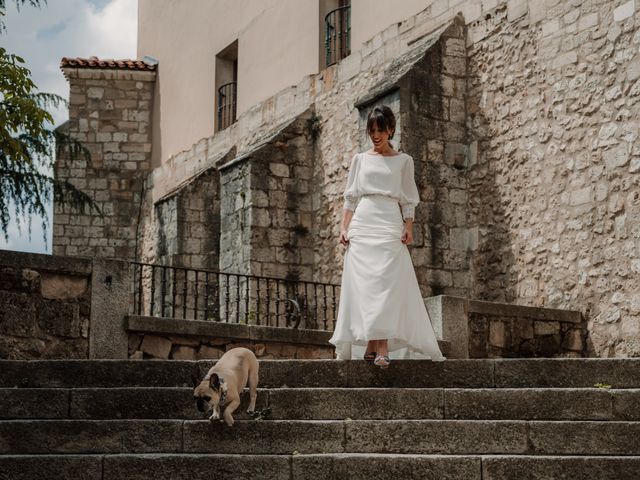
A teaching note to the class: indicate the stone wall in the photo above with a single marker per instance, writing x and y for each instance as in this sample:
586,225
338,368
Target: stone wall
436,136
501,336
197,340
534,199
188,224
109,113
483,329
281,238
45,307
554,95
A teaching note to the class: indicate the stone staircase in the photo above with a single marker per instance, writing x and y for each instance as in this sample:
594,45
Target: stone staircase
489,419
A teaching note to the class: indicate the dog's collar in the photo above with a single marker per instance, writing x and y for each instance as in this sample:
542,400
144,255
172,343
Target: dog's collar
223,392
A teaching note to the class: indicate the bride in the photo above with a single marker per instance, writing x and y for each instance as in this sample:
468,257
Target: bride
381,314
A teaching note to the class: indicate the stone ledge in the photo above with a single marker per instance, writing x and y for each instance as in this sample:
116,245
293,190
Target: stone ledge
171,326
39,261
452,317
537,313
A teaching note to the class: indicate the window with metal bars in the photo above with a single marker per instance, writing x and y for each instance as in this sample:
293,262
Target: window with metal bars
337,33
226,80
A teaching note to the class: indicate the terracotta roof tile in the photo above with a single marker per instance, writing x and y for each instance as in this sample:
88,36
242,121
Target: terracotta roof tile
95,62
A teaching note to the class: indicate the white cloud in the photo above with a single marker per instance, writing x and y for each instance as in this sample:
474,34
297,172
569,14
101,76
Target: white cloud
65,28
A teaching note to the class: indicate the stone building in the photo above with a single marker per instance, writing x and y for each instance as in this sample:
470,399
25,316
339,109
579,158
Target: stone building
522,117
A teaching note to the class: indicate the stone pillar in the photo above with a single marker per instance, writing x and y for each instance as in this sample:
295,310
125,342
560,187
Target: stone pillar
109,113
433,98
265,208
450,322
429,100
110,299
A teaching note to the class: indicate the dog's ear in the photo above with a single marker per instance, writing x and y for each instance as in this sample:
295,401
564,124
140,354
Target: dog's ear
214,381
194,380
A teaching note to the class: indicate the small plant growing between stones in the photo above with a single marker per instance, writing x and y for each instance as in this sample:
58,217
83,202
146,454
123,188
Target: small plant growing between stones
314,126
602,385
260,415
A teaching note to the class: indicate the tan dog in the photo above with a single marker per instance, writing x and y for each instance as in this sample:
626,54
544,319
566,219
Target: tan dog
224,382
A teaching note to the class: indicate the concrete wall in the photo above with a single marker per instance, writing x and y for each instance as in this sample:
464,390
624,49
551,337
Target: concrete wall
278,43
186,36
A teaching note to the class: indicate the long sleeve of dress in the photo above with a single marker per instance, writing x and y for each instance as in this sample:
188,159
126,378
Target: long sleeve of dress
351,192
409,196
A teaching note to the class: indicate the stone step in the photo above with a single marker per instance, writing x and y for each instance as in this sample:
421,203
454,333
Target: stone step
475,373
314,467
353,436
330,403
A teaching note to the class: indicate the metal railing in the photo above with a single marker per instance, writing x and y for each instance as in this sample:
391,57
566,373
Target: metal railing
337,39
227,96
198,294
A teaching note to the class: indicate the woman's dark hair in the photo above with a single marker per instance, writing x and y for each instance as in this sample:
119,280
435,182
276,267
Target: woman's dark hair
383,117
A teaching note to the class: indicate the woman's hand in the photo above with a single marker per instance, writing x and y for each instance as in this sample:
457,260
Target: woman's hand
344,225
407,233
343,237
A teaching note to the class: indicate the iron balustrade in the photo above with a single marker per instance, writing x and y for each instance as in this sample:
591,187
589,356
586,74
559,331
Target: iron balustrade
337,40
199,294
227,95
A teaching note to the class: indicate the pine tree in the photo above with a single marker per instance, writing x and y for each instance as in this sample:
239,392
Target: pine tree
28,144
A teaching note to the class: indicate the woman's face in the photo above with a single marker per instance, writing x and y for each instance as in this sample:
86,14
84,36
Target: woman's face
379,137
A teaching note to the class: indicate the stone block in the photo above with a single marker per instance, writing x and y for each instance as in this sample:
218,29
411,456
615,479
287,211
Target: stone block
357,404
586,468
309,353
365,467
86,436
62,287
526,404
58,319
584,438
454,66
279,169
550,27
30,467
588,21
442,436
624,11
497,336
626,405
198,466
537,12
182,352
205,352
564,59
24,403
580,197
464,238
274,437
516,9
455,47
573,340
158,347
546,328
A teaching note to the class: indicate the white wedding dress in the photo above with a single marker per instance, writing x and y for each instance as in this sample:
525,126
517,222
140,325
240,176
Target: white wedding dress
380,297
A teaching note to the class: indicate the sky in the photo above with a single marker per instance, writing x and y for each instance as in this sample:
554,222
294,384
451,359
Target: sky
63,28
